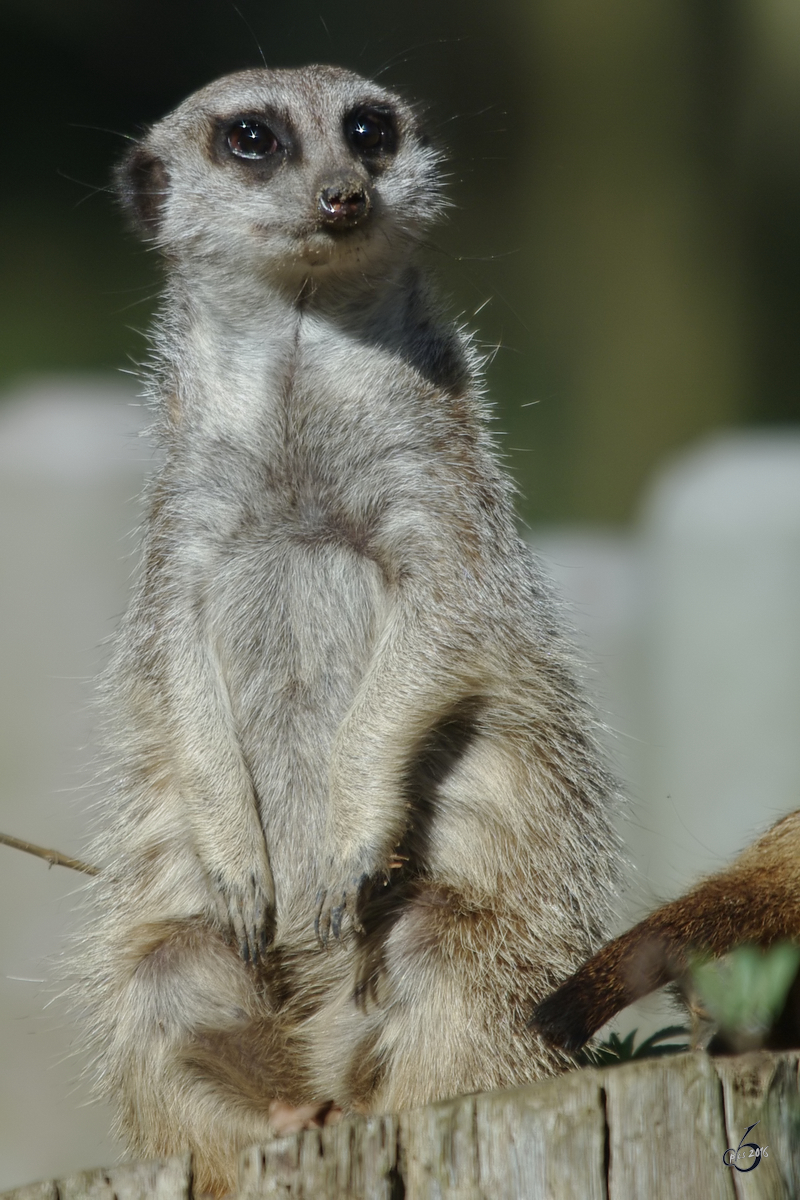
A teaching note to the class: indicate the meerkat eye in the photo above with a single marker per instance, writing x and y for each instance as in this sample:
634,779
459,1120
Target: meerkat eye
371,131
248,138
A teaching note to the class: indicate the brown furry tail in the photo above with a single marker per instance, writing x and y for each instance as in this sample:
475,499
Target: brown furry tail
756,900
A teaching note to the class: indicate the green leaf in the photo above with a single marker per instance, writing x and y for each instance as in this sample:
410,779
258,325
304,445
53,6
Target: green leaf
746,990
615,1050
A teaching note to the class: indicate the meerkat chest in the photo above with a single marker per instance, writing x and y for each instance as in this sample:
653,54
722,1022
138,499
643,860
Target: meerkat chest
308,435
284,484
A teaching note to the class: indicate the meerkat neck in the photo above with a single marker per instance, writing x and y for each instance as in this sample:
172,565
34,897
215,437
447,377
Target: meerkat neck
233,292
229,353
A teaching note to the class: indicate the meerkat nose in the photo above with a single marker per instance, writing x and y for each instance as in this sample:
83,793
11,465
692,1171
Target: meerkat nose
343,203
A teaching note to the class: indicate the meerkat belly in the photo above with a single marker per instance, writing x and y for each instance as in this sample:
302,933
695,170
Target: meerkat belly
295,621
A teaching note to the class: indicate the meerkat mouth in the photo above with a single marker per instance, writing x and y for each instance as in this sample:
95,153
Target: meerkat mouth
319,245
316,237
331,250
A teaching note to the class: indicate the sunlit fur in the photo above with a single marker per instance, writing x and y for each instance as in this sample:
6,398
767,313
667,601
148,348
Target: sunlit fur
340,689
756,900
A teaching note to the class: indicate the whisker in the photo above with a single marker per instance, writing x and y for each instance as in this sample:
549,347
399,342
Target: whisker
102,129
251,31
403,56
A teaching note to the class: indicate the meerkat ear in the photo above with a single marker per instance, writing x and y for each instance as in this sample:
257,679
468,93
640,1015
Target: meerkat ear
142,181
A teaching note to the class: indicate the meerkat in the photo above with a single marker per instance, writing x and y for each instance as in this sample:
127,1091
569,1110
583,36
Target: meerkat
359,822
755,900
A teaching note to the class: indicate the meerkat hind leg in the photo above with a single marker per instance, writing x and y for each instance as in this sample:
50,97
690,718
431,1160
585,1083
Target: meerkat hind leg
455,1022
198,1060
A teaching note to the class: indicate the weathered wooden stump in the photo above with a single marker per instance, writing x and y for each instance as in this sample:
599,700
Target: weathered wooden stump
652,1129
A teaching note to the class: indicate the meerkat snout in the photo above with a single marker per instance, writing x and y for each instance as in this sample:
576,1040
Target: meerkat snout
343,203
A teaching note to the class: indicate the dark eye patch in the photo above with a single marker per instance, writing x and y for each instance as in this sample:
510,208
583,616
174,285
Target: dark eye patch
255,142
250,138
371,130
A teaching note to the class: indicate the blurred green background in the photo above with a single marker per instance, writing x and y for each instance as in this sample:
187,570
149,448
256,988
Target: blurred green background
626,180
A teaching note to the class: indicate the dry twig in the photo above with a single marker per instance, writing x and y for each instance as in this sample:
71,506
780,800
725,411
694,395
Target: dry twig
54,857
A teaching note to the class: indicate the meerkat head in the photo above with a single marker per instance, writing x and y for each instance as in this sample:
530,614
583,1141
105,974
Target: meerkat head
285,172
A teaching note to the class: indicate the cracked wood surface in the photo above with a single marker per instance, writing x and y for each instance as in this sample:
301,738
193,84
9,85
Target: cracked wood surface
655,1129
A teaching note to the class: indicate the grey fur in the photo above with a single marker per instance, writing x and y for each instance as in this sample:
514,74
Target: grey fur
340,693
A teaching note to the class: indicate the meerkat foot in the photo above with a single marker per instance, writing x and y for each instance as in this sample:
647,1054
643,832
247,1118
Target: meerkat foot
288,1118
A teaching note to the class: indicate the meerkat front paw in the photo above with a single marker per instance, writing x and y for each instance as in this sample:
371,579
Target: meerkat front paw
334,902
246,911
349,898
